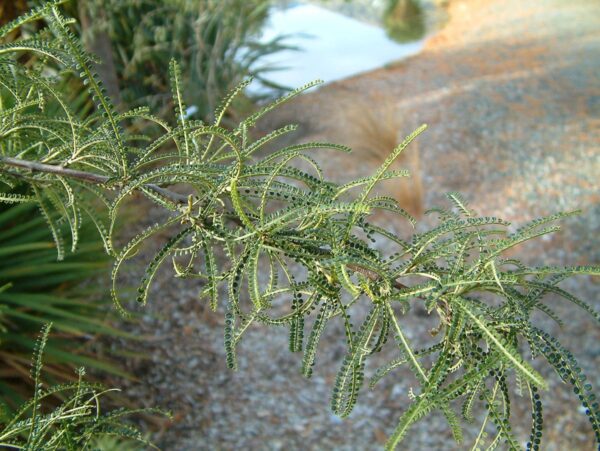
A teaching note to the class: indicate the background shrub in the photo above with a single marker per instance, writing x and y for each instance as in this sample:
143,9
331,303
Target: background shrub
214,41
38,289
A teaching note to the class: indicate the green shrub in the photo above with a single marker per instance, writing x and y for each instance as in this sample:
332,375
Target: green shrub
78,423
288,245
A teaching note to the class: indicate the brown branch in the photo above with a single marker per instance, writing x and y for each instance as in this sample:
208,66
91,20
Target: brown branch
51,169
83,175
175,197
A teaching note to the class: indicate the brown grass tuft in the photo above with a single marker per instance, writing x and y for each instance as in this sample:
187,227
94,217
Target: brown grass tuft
374,134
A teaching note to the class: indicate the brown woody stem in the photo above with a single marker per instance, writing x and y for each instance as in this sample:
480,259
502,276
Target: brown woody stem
83,175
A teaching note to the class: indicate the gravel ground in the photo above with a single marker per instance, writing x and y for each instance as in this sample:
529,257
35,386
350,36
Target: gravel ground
511,92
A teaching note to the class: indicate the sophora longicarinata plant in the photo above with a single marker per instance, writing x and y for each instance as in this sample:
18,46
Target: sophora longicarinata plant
286,244
76,424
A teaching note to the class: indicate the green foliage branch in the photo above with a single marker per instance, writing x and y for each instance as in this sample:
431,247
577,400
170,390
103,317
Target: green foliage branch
279,244
79,422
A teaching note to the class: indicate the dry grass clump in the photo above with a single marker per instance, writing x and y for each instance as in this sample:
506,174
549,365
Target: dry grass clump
374,134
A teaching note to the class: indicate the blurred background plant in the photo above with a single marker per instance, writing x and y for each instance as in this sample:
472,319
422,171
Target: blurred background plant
215,42
38,289
404,20
374,134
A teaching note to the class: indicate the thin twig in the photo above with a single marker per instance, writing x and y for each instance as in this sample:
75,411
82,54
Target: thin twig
51,169
83,175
